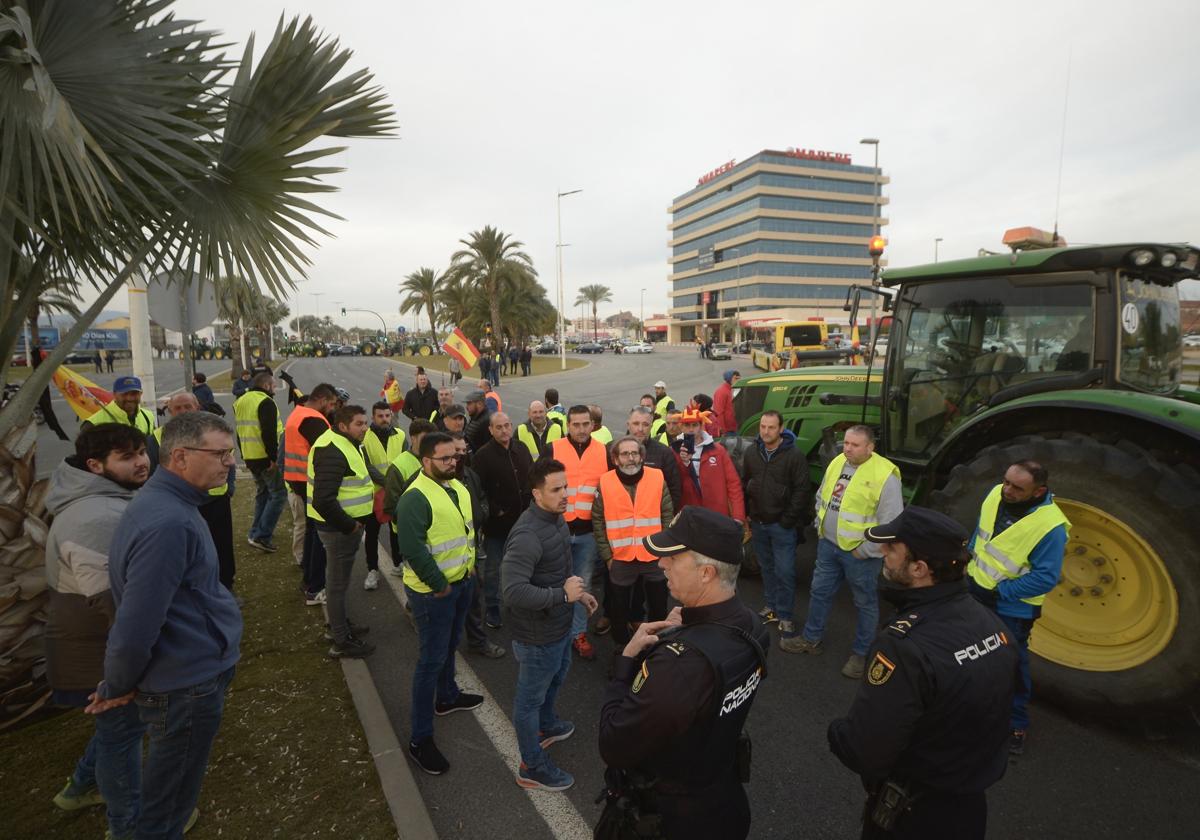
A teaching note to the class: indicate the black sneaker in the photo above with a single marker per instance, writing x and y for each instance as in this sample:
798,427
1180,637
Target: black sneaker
768,615
493,620
428,757
1016,742
464,703
352,648
357,630
488,648
262,545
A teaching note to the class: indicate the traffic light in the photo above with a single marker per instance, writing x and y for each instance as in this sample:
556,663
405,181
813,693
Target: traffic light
876,247
343,310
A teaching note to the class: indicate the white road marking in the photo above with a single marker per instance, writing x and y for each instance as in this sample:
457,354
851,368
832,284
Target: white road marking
559,812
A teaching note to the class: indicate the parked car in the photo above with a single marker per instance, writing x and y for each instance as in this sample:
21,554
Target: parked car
344,350
546,347
639,347
1191,341
721,351
590,347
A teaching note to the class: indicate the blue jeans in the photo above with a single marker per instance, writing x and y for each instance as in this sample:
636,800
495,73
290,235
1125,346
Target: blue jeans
833,567
543,668
269,500
583,557
775,547
112,761
181,725
490,573
439,626
1019,629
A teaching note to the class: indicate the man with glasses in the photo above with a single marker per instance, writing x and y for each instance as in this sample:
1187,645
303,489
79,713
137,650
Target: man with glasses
504,470
176,634
341,499
436,532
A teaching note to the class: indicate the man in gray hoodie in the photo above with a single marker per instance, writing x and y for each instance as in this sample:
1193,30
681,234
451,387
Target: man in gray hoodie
88,493
541,592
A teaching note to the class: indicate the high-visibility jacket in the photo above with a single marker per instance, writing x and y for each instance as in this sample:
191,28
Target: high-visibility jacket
660,407
583,475
296,445
492,395
526,435
356,494
451,537
557,414
860,500
658,431
409,465
249,431
603,435
215,491
375,453
627,520
143,421
1006,555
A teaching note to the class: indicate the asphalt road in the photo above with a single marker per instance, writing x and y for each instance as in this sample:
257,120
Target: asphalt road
1079,778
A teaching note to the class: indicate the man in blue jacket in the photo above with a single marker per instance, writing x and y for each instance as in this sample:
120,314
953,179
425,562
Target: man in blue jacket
175,639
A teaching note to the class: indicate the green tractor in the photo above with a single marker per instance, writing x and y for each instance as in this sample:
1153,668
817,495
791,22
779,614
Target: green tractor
1072,357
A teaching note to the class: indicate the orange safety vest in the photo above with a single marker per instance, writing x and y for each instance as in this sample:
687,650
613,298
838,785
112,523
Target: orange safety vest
627,520
583,475
296,446
492,395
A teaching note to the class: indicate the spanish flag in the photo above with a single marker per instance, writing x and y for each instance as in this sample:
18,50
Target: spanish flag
84,396
461,348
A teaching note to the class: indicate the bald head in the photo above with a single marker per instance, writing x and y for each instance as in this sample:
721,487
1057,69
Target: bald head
182,403
537,414
501,428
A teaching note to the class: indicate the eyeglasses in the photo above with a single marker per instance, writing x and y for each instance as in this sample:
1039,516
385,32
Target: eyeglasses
223,454
446,459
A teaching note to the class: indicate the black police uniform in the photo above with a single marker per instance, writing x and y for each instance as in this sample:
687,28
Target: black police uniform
677,715
932,712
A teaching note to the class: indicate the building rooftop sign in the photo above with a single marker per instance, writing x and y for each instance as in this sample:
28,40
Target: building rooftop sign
813,154
720,170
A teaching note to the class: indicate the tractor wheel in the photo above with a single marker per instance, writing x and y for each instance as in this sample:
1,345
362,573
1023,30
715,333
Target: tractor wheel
1122,628
368,350
425,350
219,353
320,352
208,354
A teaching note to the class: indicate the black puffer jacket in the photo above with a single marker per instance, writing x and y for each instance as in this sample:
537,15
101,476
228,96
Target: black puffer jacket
777,489
536,565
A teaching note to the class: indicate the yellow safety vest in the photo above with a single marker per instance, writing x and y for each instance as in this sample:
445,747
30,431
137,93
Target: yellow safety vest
451,537
860,500
525,435
660,407
554,414
603,435
376,455
409,465
215,491
1006,556
111,413
249,432
356,494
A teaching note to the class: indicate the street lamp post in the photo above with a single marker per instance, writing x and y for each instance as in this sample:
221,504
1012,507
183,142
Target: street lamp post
737,327
937,241
562,345
874,141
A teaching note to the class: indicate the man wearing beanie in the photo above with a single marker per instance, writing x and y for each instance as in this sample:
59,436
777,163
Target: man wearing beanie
723,402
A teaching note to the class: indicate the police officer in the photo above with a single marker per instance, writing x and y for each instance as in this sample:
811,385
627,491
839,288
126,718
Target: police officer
682,689
928,729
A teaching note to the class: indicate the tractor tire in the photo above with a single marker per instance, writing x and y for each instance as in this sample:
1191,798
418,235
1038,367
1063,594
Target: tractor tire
368,350
425,350
219,353
320,352
208,354
1121,630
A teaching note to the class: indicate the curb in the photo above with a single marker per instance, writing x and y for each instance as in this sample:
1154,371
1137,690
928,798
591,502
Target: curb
408,809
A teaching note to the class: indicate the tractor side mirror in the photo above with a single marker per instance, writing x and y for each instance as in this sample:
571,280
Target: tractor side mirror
853,296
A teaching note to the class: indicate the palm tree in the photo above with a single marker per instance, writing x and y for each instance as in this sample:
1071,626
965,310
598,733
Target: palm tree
421,292
131,144
454,300
595,294
489,257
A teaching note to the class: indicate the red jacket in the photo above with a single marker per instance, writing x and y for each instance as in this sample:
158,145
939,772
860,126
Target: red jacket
719,489
723,408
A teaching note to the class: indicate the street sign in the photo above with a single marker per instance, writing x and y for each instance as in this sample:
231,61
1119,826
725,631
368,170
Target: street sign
401,330
168,302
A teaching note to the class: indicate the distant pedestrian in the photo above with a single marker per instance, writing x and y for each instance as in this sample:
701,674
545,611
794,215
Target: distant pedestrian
514,355
108,360
455,370
723,402
391,392
242,384
526,360
203,391
497,368
177,632
98,362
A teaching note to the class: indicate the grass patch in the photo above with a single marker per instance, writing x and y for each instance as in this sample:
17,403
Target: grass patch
291,759
541,365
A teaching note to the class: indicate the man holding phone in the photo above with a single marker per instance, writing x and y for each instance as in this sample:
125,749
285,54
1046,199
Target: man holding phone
708,476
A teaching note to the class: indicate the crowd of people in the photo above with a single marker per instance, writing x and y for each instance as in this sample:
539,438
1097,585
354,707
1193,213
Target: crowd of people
565,532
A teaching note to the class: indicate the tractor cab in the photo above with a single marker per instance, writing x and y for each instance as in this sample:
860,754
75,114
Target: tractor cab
971,335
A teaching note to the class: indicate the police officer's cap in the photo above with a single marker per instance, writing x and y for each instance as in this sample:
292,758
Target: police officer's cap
701,530
930,535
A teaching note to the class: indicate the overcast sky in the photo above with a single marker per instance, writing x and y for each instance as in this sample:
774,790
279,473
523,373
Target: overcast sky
501,105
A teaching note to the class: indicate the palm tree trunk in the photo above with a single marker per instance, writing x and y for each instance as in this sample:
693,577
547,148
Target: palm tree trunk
432,329
595,325
494,309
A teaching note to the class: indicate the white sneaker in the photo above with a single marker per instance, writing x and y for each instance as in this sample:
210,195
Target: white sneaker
372,580
396,571
315,600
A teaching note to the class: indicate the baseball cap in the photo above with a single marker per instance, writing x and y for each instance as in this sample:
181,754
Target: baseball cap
475,396
455,410
660,384
699,529
124,384
928,533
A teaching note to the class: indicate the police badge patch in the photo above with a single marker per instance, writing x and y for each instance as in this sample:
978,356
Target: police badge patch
641,678
881,670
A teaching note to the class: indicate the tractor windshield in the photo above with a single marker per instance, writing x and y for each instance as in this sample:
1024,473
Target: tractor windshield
965,340
1151,344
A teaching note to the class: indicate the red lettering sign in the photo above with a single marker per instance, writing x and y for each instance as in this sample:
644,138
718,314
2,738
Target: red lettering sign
720,170
814,154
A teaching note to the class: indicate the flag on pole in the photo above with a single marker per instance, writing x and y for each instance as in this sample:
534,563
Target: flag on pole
461,348
83,395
